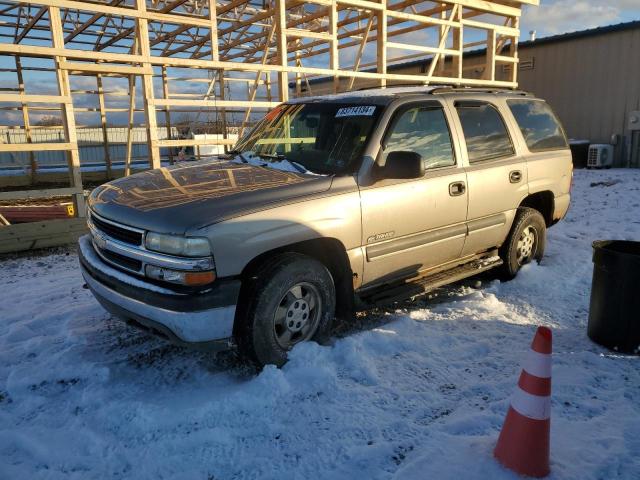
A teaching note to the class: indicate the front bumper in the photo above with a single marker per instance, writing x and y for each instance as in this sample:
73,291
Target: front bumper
203,319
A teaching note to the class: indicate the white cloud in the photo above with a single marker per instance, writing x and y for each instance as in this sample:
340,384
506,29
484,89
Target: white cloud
560,16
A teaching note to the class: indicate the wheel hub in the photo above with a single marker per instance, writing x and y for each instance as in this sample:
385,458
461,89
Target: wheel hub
526,245
297,315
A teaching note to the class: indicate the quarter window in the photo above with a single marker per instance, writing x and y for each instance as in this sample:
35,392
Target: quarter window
484,131
538,124
422,130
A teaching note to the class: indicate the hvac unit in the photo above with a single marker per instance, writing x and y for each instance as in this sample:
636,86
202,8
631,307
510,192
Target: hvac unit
600,156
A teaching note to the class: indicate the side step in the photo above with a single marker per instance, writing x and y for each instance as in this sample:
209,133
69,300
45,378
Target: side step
409,290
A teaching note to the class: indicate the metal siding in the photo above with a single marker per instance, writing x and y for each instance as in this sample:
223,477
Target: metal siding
592,83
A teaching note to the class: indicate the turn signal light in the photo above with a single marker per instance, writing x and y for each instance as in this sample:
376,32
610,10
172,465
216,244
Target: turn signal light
199,278
180,277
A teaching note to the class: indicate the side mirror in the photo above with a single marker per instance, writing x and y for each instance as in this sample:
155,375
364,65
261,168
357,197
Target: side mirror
403,164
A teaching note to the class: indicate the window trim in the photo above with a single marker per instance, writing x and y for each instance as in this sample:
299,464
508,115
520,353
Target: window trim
480,103
428,105
555,117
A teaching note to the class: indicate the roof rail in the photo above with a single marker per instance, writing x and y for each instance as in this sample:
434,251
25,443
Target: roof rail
507,91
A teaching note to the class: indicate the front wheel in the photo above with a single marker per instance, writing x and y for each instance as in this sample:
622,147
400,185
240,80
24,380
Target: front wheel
526,241
292,300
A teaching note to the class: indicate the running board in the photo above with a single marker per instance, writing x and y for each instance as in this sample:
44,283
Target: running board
397,292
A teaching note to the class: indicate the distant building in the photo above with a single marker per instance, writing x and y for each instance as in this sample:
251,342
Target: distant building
591,78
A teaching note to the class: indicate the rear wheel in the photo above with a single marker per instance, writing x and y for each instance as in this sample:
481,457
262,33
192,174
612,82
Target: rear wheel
291,300
526,241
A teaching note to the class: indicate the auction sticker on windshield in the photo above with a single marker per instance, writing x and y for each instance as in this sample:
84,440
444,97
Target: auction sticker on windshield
359,111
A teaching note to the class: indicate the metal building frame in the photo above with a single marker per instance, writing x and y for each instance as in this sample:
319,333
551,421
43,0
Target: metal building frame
258,48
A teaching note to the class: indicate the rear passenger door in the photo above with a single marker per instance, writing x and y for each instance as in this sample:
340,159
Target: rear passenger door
496,174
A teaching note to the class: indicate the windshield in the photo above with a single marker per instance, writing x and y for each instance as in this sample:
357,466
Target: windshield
322,138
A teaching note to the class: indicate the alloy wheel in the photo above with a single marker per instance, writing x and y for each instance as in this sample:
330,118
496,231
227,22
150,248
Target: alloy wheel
297,316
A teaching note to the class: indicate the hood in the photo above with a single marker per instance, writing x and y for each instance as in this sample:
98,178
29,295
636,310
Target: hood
179,198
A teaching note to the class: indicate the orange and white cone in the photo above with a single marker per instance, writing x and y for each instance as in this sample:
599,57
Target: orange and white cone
523,445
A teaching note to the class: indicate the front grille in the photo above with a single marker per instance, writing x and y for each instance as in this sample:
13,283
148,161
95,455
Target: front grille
119,233
121,260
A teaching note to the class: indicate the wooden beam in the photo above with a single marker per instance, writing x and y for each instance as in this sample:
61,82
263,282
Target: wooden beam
94,18
281,39
103,125
381,44
142,35
34,194
132,100
68,116
25,118
27,28
334,57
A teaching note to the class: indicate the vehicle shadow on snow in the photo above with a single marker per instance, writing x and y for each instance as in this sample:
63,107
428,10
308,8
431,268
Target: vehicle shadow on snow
131,348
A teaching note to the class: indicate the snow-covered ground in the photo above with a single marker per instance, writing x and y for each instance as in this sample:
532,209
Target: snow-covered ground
419,393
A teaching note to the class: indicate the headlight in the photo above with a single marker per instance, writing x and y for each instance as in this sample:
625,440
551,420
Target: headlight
175,245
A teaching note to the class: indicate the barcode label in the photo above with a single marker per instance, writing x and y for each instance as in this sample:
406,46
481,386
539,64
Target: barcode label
360,111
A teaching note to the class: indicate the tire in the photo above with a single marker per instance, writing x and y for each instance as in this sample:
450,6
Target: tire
526,242
290,300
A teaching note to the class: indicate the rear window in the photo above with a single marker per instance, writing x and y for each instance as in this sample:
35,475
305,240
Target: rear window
538,124
484,131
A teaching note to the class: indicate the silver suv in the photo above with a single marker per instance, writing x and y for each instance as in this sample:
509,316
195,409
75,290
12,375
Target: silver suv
328,206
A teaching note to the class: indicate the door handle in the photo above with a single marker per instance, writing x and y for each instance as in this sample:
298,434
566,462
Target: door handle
515,176
457,188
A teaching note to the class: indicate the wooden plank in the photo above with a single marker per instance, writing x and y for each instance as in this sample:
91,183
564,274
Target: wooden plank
125,12
106,69
183,102
334,57
191,142
131,111
142,37
381,45
103,124
30,24
34,147
34,194
280,20
23,98
420,48
25,119
490,70
301,33
49,233
68,116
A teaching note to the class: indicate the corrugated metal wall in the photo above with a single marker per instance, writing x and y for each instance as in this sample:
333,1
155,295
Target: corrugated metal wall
593,83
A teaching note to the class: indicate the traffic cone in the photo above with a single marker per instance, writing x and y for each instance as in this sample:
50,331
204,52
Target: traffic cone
523,445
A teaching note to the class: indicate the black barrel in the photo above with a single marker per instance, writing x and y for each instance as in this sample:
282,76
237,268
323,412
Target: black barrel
614,313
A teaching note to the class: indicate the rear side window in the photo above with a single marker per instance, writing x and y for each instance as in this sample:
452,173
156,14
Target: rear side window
538,124
423,130
484,131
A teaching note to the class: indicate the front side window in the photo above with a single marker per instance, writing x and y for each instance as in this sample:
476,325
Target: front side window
422,130
324,138
484,131
538,124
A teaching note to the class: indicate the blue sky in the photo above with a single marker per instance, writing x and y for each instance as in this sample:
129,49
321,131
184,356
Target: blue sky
559,16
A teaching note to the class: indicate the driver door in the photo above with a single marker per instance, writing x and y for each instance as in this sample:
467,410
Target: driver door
412,225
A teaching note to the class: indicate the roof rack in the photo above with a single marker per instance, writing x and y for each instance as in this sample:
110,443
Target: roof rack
451,89
508,91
